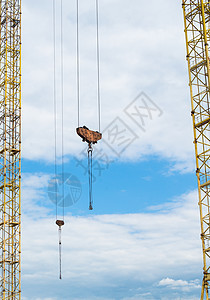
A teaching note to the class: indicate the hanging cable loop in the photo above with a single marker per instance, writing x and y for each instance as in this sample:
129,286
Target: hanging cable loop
91,137
90,175
60,223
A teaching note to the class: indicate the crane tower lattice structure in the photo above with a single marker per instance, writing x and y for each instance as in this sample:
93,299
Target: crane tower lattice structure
197,33
10,148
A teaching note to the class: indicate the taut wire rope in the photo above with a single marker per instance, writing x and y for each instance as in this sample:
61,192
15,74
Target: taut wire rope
98,66
55,109
62,106
62,132
78,62
60,223
97,62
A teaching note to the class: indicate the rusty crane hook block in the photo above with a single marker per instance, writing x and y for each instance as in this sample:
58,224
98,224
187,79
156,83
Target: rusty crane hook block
89,136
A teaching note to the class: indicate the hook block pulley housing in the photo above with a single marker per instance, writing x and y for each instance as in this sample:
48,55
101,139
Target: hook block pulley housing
89,136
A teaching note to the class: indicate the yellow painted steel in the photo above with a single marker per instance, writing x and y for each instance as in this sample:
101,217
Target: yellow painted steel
10,148
197,33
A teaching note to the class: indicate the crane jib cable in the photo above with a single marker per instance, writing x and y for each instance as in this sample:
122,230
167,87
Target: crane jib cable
59,222
62,102
98,66
55,107
89,136
78,86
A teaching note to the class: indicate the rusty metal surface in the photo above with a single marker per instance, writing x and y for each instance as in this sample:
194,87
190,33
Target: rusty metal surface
88,136
59,222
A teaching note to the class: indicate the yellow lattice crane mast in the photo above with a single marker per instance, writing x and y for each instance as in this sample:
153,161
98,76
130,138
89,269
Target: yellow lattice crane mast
10,146
197,32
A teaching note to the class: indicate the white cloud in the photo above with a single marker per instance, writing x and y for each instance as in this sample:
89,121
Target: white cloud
138,53
180,284
34,194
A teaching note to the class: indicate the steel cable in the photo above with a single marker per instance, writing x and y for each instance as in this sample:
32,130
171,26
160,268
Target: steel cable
55,108
77,63
60,260
58,222
98,66
90,176
97,63
62,104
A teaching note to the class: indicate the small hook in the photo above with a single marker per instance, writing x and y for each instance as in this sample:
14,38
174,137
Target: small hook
59,222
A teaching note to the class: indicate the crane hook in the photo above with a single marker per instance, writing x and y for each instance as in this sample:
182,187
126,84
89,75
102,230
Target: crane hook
91,137
60,223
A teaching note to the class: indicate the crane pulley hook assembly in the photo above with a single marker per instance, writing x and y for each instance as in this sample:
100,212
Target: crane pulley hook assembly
91,137
60,223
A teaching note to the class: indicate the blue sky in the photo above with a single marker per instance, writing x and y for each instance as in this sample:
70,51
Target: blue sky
142,240
137,185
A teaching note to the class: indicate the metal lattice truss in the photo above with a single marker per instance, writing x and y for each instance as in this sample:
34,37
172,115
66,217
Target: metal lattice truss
197,32
10,146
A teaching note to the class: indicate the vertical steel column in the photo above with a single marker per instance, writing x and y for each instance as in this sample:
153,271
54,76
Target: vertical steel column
10,148
197,33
